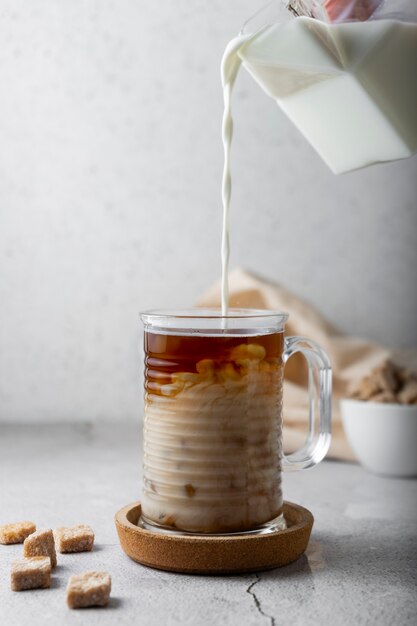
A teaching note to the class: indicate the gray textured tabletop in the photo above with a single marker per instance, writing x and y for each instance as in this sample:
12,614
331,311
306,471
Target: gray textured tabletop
360,566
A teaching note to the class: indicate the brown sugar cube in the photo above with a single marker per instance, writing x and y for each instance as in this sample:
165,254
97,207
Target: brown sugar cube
41,543
79,538
16,533
380,385
367,388
384,397
404,375
88,589
386,377
32,573
408,394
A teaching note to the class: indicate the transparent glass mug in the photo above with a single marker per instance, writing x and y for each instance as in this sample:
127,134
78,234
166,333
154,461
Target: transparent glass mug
213,419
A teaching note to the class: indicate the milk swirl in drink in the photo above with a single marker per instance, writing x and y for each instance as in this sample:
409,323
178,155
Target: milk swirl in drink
213,431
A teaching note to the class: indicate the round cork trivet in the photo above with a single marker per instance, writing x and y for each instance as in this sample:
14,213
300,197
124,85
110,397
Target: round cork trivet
205,554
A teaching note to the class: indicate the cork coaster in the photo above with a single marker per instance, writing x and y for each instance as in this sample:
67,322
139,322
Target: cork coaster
207,554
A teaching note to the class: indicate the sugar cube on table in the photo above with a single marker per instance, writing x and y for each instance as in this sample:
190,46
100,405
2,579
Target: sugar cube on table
79,538
88,589
41,543
31,573
16,533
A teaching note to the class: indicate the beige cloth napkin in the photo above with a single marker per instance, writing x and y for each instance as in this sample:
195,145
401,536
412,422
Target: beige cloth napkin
351,358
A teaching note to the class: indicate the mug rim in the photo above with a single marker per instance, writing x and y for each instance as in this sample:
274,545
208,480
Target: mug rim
212,313
211,321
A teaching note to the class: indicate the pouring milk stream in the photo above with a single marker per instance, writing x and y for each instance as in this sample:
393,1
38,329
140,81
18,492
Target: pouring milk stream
350,87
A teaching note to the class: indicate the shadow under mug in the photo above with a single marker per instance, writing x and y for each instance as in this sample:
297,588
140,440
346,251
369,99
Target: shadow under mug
213,455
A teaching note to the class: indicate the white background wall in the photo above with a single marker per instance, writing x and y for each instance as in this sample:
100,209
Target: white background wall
110,167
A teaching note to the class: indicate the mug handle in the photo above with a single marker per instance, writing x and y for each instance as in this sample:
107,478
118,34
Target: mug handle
319,403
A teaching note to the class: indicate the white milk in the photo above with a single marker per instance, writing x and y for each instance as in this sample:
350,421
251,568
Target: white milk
350,88
229,69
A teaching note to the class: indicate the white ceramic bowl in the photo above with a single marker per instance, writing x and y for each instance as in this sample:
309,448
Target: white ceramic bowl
383,436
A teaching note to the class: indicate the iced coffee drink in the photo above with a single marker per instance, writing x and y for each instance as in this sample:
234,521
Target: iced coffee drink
212,444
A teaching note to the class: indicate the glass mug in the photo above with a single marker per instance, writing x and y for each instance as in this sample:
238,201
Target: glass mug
213,453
